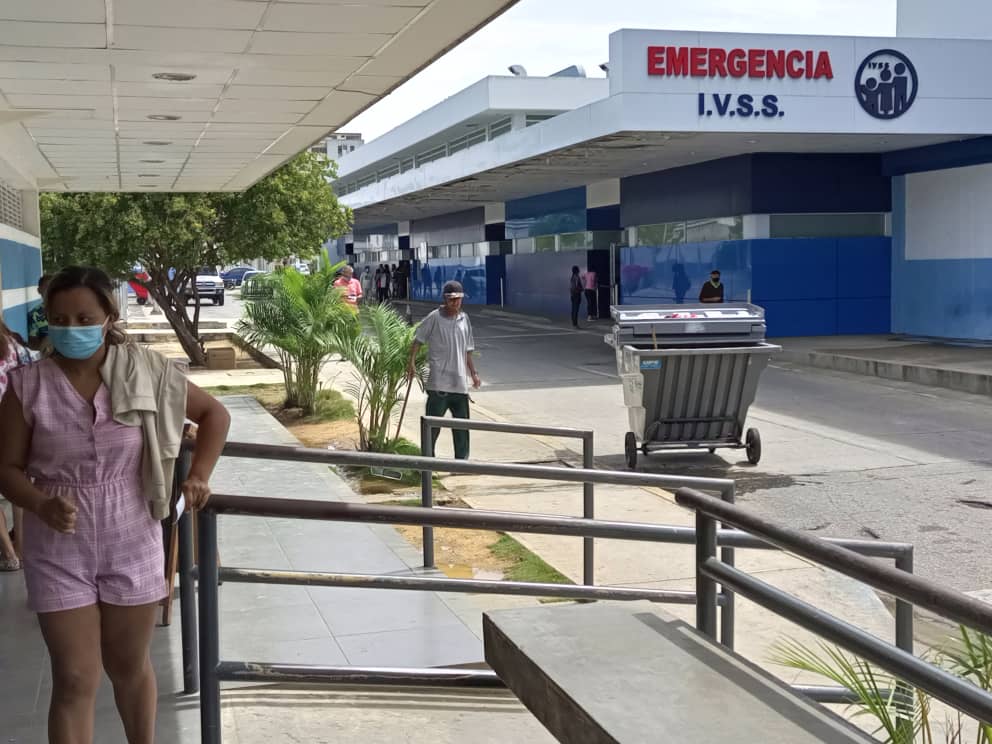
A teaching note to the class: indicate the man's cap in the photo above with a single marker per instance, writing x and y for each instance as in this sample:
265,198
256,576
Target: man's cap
453,289
716,271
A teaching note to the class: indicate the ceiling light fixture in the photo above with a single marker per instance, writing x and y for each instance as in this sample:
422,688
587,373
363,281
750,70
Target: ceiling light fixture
164,117
174,77
751,142
152,161
156,143
148,175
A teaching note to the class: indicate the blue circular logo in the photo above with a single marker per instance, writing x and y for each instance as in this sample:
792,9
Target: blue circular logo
886,84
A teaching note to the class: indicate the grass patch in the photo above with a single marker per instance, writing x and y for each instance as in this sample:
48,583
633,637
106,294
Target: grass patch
523,564
331,405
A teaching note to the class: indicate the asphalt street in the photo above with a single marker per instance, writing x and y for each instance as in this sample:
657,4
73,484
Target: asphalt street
844,455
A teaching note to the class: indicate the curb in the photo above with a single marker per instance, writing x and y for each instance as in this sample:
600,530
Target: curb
963,381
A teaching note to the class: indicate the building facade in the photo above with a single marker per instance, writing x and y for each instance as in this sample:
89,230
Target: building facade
837,181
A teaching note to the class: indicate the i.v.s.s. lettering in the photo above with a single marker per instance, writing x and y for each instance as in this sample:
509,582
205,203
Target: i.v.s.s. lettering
742,105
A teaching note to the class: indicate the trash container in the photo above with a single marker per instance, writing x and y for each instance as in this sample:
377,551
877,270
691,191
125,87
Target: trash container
689,374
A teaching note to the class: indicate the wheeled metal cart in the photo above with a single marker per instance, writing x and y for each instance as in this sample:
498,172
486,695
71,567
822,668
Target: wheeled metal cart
689,375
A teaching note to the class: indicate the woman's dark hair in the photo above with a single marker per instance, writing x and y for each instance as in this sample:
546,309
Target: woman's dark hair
575,269
97,281
6,335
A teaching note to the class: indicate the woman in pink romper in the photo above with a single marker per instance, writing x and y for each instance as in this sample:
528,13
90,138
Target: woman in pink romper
93,554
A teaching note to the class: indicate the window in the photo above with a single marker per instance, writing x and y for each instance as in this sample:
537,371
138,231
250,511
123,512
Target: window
533,119
499,128
827,225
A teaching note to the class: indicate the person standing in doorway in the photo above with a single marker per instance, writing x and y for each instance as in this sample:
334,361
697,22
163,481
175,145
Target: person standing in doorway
575,290
680,282
447,333
712,291
592,303
367,283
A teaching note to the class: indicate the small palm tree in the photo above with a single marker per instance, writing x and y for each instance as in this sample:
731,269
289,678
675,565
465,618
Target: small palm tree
903,714
380,355
306,319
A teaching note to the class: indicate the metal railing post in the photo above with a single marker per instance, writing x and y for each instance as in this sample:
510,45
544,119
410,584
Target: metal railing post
210,731
706,603
727,609
187,606
187,585
904,640
589,512
427,491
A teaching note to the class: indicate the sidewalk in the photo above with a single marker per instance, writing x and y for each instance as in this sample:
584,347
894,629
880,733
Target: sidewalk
292,625
967,369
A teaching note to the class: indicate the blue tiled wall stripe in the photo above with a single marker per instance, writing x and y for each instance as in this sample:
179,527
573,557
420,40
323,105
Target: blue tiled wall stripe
20,264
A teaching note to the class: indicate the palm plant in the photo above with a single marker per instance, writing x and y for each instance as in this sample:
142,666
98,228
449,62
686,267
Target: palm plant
903,717
380,355
305,319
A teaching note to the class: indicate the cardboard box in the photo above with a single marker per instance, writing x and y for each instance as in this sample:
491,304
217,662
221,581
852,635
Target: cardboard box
222,357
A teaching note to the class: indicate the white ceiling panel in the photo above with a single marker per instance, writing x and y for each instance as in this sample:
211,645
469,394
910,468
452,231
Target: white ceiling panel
166,90
267,76
332,111
27,71
226,14
64,35
264,79
339,18
150,38
347,45
60,11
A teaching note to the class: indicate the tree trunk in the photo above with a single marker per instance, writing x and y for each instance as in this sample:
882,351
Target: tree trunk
168,295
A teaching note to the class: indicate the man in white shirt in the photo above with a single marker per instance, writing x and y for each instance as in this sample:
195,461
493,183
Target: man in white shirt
447,333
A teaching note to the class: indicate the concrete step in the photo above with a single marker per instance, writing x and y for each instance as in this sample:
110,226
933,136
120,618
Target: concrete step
151,336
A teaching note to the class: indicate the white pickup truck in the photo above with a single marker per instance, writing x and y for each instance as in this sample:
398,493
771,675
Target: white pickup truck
209,285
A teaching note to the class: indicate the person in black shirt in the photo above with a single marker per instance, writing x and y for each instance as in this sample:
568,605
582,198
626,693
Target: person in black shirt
712,291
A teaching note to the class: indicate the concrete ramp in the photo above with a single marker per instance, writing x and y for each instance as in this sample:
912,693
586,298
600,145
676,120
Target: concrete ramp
600,674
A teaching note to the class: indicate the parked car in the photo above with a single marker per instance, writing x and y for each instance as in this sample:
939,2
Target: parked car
303,268
234,277
209,285
253,290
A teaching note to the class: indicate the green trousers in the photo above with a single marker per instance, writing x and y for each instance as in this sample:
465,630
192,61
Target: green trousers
438,404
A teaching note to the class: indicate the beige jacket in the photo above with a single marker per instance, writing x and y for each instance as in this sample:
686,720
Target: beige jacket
149,391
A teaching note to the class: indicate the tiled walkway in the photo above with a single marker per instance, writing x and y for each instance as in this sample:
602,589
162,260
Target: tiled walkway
260,622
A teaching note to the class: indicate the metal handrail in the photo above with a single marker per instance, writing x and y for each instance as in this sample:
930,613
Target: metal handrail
429,423
209,573
955,691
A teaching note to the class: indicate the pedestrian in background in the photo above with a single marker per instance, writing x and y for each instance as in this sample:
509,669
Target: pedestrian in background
447,333
37,322
13,354
592,301
367,283
712,291
575,289
90,436
352,287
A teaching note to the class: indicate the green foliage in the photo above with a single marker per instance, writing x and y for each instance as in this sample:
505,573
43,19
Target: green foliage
380,355
330,405
291,212
306,319
525,565
903,714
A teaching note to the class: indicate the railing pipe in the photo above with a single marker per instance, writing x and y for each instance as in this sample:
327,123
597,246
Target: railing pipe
589,512
920,592
473,586
427,491
210,728
955,691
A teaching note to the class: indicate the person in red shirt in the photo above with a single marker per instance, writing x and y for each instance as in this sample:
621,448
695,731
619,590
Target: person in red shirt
351,286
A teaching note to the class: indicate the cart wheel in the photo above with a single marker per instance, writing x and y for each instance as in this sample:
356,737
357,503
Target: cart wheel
712,450
630,449
753,443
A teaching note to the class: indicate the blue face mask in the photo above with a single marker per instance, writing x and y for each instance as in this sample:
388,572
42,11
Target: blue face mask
76,342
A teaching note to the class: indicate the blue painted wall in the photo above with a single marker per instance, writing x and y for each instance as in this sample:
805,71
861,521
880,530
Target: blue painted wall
764,183
538,282
546,214
945,298
20,266
428,278
808,287
467,226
